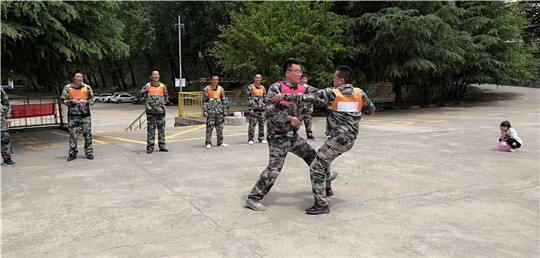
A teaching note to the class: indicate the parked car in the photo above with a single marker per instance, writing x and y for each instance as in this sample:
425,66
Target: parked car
121,97
103,97
96,97
114,95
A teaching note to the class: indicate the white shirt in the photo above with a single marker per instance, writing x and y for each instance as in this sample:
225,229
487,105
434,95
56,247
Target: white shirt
512,134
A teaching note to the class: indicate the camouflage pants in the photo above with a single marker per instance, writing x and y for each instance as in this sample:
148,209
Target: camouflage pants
278,147
6,145
153,121
331,149
306,120
258,117
216,121
76,125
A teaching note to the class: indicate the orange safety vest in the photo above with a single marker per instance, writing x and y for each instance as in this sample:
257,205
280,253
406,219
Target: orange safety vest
214,94
257,92
347,104
81,93
159,90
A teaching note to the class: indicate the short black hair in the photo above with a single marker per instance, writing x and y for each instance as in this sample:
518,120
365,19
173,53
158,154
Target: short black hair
506,123
288,65
258,74
304,75
154,70
76,72
212,76
345,73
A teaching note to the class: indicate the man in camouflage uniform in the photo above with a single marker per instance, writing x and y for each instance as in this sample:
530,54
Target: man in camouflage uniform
214,109
256,95
345,105
306,110
283,137
78,97
156,96
6,121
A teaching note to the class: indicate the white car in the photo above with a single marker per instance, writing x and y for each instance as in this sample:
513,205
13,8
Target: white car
103,97
121,97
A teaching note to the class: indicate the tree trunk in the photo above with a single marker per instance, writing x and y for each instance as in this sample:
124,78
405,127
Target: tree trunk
102,76
185,75
94,84
121,74
174,72
115,80
398,92
207,65
462,93
132,74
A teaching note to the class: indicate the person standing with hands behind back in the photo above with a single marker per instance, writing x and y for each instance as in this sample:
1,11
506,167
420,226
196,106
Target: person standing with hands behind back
156,96
256,95
509,135
214,109
78,96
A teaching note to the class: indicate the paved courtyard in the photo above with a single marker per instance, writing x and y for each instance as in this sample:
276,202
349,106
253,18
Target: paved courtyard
418,182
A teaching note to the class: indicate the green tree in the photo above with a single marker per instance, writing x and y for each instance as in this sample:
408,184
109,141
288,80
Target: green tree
264,35
440,45
153,38
42,42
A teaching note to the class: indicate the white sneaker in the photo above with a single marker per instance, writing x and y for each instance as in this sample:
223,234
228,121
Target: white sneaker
333,175
250,142
254,205
208,146
223,145
264,142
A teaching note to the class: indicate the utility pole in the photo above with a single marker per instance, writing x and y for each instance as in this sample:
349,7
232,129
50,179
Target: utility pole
180,28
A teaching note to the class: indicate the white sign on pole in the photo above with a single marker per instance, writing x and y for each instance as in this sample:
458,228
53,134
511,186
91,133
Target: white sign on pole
177,82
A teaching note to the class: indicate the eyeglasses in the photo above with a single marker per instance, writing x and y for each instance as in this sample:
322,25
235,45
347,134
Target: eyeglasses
297,71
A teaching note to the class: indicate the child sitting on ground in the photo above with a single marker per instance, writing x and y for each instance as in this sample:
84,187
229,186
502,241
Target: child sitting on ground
509,135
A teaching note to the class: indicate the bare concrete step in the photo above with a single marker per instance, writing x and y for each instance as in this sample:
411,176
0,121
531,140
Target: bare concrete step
185,121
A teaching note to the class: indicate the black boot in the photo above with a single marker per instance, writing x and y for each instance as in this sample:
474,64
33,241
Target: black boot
316,210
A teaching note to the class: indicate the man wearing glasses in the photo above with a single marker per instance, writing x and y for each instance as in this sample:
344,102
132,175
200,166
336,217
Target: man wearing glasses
283,137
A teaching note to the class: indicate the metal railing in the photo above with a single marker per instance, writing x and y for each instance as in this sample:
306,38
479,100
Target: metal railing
190,103
36,111
138,123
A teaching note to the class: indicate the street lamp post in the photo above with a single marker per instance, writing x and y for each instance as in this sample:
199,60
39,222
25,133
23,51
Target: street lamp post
180,28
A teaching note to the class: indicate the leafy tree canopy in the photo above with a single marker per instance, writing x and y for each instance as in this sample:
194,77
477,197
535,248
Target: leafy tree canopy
262,36
42,42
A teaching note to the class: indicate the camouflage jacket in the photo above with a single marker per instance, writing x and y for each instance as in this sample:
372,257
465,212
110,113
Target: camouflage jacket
338,122
255,102
305,107
78,109
214,106
6,108
279,116
155,104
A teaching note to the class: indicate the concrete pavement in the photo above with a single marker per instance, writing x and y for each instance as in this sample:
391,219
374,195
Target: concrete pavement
423,182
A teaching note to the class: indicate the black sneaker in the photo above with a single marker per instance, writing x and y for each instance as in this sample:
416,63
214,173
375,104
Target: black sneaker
329,192
149,151
316,210
163,149
311,137
71,157
9,162
90,156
